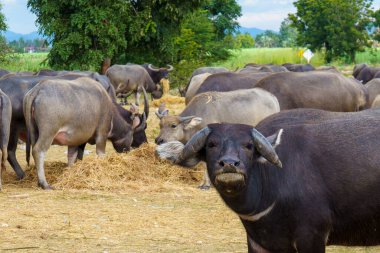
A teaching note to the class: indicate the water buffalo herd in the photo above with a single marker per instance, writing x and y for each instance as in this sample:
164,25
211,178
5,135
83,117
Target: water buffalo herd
300,179
291,149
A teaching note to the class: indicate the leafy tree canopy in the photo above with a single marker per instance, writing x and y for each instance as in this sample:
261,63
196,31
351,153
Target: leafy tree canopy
338,26
4,49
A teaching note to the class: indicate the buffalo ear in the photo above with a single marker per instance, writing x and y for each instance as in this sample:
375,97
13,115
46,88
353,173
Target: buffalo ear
275,139
192,123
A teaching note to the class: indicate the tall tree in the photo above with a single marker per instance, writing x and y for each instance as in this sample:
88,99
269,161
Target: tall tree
288,34
4,49
338,26
376,16
268,39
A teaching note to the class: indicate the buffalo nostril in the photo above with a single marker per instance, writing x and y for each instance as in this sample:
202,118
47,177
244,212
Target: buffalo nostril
236,163
221,163
159,141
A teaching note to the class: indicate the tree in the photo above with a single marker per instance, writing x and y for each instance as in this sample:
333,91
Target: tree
268,39
245,40
337,26
288,34
376,16
4,49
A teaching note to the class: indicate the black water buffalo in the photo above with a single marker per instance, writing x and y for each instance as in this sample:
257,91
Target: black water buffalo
5,123
298,67
303,186
131,78
16,87
94,121
4,72
364,73
317,89
263,68
157,74
230,81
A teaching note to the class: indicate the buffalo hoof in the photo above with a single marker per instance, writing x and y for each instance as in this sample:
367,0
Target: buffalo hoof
20,175
45,186
204,187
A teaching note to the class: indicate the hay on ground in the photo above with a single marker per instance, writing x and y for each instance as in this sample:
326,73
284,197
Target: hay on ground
139,169
168,99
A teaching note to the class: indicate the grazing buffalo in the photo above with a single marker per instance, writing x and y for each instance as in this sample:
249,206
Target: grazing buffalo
94,121
240,106
364,73
230,81
132,78
199,71
17,86
299,188
5,123
317,89
298,67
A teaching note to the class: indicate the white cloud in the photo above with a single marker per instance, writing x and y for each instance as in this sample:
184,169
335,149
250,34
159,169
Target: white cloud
264,20
8,2
248,3
283,2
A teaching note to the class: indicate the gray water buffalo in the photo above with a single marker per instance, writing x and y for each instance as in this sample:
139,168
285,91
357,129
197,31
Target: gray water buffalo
316,89
17,86
373,88
240,106
195,83
230,81
364,73
294,185
56,114
298,67
263,68
199,71
5,123
131,78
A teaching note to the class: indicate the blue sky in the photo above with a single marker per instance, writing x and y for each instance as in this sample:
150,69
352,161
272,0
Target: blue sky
263,14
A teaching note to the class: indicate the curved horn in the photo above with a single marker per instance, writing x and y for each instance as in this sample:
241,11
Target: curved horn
182,119
195,144
153,69
170,68
142,125
146,103
265,148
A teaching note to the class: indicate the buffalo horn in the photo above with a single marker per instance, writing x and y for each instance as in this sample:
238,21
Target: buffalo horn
195,144
265,148
183,119
153,69
170,67
146,103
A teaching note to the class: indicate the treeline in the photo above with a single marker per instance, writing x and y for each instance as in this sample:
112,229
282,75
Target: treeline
26,46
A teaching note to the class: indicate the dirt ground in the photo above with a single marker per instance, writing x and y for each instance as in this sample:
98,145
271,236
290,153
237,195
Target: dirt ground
156,215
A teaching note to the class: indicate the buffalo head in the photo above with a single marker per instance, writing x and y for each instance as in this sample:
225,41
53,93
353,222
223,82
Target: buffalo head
230,151
176,128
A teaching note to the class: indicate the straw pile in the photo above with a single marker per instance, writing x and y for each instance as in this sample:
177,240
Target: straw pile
168,100
165,86
139,169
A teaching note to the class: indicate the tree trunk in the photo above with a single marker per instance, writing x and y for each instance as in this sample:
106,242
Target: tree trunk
105,65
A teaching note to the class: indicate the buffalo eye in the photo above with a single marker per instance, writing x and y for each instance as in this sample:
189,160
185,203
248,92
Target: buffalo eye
211,144
249,146
173,125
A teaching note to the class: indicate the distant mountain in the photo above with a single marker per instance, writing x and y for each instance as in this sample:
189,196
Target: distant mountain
11,36
252,31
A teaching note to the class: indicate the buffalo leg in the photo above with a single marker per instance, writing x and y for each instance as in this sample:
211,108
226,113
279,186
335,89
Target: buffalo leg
72,154
81,149
310,242
101,146
206,184
12,147
138,93
39,150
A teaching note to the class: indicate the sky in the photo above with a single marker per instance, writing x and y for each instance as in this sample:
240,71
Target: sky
263,14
